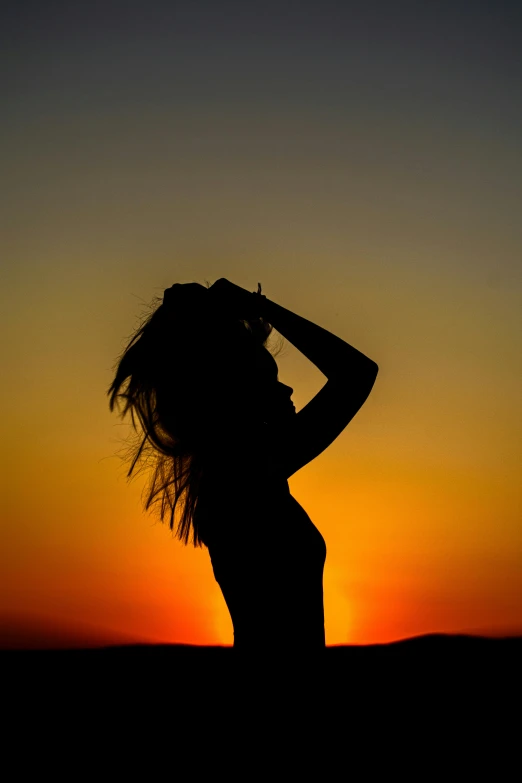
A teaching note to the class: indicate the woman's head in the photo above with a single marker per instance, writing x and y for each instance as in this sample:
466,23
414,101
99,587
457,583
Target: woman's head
192,379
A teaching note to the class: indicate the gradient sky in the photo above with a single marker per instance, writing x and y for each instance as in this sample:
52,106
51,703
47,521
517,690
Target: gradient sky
361,160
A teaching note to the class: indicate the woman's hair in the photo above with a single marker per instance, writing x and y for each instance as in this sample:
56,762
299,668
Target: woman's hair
181,378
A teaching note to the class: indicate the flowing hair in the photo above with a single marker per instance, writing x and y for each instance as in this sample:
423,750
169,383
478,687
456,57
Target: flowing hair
174,378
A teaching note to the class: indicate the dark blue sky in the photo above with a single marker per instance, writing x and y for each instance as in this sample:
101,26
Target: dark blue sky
324,52
403,108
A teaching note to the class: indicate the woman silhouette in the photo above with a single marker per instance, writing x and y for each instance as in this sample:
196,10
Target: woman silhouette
204,396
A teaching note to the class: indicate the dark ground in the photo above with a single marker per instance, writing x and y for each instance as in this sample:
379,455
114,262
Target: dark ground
449,694
435,663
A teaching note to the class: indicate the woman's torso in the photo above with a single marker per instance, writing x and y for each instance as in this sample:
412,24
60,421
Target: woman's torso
268,558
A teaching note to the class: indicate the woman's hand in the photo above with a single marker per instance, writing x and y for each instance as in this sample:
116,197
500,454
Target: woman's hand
182,295
234,300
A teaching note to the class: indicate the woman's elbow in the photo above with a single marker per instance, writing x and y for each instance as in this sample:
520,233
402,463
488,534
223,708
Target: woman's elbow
371,376
372,370
363,373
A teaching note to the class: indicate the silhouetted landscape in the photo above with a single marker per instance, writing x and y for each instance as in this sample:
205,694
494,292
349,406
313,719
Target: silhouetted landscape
432,699
441,660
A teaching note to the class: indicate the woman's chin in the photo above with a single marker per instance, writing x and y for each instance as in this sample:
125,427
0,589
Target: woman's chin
283,416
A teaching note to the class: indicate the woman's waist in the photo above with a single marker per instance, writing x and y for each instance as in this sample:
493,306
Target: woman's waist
264,564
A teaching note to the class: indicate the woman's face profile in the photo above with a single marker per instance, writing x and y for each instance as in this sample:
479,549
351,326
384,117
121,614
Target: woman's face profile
272,398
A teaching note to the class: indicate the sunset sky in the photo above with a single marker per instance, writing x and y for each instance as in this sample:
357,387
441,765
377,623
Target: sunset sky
363,162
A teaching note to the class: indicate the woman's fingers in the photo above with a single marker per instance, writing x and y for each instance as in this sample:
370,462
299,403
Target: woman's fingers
223,295
234,299
184,293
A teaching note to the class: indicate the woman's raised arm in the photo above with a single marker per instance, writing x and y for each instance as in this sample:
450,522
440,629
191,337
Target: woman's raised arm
351,376
334,357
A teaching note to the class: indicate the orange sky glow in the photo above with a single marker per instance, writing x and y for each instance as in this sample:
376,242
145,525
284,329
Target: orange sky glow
384,208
